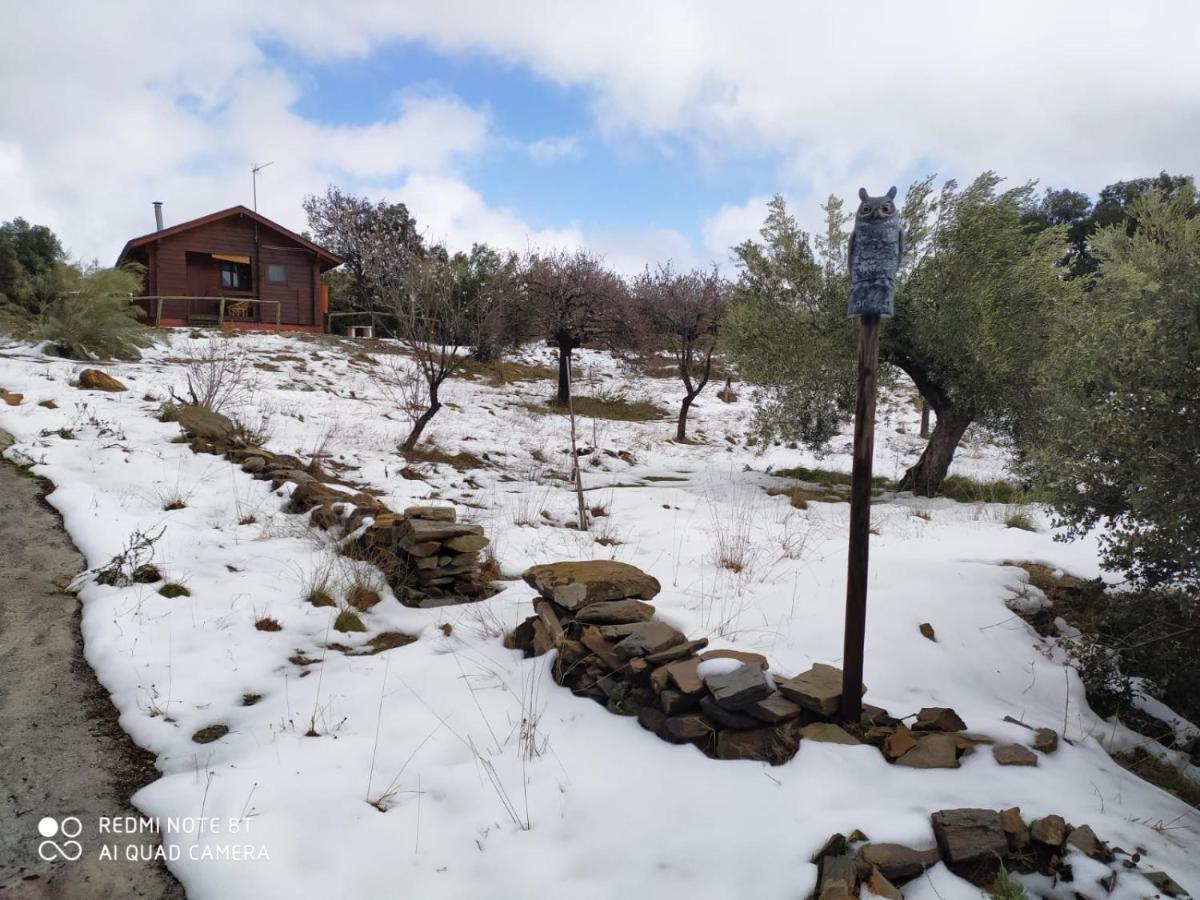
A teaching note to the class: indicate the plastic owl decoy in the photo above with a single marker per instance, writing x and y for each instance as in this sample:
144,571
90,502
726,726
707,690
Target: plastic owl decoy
876,246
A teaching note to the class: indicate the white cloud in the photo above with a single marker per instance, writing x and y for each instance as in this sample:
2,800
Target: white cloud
550,149
108,109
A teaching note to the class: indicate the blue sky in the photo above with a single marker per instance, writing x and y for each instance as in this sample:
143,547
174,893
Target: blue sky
582,176
644,131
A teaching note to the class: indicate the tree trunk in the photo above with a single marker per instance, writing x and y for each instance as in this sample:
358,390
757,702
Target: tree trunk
924,419
410,442
925,477
564,371
681,429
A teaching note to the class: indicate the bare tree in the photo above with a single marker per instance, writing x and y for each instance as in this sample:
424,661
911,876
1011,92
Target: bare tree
684,313
573,300
435,322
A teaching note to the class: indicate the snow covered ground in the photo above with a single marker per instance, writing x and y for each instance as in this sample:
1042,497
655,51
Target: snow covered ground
452,767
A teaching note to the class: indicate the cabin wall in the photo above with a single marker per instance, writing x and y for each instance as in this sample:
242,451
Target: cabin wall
236,236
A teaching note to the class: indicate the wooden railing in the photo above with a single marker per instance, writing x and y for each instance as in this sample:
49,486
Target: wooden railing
154,306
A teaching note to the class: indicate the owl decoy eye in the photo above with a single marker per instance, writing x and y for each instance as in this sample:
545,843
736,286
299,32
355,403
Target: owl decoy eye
866,208
886,209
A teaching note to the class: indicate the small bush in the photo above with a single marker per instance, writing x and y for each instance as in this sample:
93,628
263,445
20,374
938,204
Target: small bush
170,412
173,589
320,596
363,597
94,319
267,623
347,621
1021,520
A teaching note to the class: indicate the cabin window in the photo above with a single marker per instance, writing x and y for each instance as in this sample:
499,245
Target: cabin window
277,274
235,276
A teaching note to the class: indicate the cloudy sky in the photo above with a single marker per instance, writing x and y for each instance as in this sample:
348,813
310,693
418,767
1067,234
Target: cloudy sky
645,130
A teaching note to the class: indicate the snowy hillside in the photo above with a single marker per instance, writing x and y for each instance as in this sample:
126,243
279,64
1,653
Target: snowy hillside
453,767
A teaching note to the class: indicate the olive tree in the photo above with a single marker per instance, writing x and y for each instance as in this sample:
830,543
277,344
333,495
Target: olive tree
974,294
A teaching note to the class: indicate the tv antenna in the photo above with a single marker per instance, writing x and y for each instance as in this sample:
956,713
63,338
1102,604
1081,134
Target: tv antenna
254,178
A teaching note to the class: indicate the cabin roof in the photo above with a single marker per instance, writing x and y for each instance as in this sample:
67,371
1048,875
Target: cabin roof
328,260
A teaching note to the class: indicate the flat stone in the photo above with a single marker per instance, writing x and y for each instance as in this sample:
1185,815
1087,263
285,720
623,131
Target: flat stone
880,885
1045,740
1165,884
933,751
684,675
938,718
898,862
774,708
818,690
1015,829
1014,755
675,703
740,655
582,582
692,729
775,744
927,631
420,530
467,543
971,842
615,612
1050,831
594,641
739,688
554,629
726,718
651,719
838,879
197,421
828,733
647,638
1085,840
95,380
253,464
433,513
679,651
898,743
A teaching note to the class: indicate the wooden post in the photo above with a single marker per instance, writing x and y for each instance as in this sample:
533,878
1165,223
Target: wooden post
158,313
860,520
578,472
221,313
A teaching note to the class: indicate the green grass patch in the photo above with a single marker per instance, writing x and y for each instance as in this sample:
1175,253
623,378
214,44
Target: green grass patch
966,490
348,620
616,410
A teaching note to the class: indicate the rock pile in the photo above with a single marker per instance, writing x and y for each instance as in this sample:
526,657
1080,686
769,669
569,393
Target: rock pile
596,614
427,555
974,844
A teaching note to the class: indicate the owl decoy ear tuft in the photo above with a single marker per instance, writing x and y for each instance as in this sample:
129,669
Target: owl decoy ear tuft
891,194
862,193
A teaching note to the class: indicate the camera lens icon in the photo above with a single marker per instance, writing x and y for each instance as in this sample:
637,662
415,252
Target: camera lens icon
49,827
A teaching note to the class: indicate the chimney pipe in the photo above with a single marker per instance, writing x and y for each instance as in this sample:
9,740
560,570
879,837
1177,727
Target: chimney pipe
158,215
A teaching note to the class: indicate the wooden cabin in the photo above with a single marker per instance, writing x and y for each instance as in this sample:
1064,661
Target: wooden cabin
233,267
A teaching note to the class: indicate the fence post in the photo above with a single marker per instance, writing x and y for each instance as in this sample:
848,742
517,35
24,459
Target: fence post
158,313
221,313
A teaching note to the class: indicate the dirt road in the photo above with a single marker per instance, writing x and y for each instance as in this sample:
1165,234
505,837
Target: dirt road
61,750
